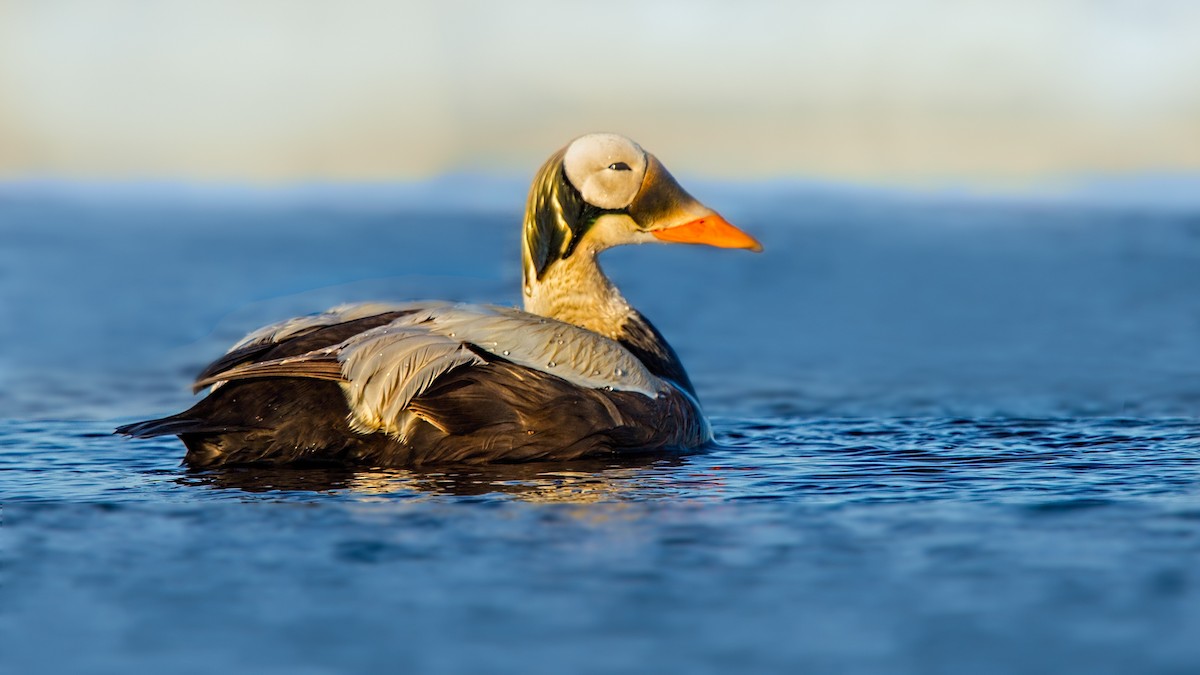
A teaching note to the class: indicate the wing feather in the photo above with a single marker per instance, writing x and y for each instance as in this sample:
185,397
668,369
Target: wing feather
300,335
575,354
384,368
295,327
314,365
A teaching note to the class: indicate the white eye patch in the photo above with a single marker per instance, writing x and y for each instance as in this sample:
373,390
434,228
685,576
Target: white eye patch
607,169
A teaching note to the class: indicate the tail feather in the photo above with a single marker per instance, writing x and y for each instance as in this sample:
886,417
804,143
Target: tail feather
174,426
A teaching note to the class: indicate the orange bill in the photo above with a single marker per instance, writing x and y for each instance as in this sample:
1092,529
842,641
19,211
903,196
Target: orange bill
712,230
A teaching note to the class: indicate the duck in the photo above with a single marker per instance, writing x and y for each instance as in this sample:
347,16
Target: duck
577,373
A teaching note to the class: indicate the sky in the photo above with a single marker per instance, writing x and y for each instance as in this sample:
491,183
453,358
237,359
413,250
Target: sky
302,90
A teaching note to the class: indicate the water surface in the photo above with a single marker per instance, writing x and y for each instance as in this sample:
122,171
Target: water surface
955,435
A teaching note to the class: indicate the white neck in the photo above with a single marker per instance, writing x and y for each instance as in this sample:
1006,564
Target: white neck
576,291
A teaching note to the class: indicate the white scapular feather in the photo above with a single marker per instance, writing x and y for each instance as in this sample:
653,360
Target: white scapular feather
386,367
282,330
572,353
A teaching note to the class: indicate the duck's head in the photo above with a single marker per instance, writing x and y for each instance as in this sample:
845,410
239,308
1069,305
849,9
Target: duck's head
603,190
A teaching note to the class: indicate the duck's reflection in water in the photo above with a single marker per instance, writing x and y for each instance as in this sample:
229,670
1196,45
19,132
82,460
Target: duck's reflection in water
610,479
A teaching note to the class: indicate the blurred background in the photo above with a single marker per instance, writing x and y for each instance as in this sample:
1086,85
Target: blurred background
863,90
969,207
957,394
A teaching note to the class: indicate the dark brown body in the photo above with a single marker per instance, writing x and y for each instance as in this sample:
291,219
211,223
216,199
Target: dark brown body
495,412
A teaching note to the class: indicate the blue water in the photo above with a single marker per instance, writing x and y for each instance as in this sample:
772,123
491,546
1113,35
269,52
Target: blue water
957,434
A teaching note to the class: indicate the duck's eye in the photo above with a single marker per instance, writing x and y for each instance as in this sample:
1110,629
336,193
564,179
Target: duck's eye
619,166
